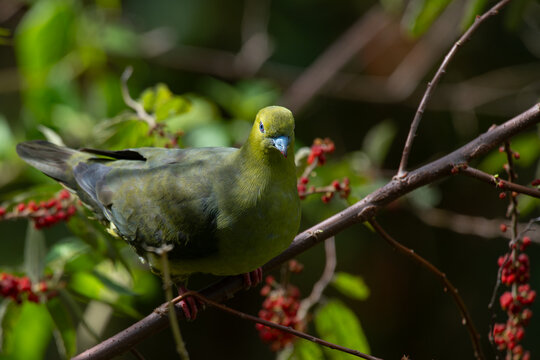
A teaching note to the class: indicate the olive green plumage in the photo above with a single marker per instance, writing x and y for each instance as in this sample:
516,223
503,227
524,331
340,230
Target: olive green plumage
225,211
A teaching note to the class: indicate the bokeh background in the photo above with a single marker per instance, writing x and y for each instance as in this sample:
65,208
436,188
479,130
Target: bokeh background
351,70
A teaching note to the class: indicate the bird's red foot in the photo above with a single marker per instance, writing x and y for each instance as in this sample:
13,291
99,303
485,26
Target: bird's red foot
253,278
189,305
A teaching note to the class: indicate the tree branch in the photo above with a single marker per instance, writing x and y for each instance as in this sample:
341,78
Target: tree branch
359,212
466,318
433,83
503,185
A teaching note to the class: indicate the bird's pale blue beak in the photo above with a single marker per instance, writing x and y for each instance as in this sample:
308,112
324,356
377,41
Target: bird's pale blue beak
281,143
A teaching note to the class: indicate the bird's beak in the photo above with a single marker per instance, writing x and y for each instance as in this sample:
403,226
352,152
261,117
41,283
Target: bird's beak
281,143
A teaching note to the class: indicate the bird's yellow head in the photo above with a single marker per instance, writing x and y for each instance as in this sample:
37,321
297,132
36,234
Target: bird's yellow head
273,130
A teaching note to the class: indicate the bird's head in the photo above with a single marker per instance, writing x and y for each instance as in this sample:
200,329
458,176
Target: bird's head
273,130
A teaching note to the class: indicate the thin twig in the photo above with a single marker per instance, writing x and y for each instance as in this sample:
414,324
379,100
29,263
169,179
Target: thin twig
466,318
326,278
175,327
513,213
503,185
402,171
471,225
139,109
137,354
276,326
354,214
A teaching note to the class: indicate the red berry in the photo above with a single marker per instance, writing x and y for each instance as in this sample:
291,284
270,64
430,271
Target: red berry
21,207
516,155
2,211
506,299
501,184
32,297
525,242
71,210
502,196
64,194
336,185
32,206
24,284
304,180
535,182
503,227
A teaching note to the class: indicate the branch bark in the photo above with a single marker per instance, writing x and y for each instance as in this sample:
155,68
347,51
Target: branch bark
361,211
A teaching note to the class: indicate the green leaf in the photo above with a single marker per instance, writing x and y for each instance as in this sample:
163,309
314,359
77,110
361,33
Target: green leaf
306,350
422,13
425,197
7,141
65,332
351,285
336,323
378,140
528,146
51,135
95,285
27,330
34,253
473,9
514,13
71,254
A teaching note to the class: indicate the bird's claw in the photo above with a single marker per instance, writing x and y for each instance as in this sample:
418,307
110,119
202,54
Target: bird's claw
253,278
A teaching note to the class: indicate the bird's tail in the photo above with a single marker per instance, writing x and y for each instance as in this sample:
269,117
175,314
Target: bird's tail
50,159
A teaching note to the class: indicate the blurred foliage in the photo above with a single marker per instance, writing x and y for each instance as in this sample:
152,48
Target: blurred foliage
69,56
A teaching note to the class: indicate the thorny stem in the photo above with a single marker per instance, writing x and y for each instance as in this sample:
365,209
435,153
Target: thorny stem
480,175
275,325
466,318
402,171
139,109
328,274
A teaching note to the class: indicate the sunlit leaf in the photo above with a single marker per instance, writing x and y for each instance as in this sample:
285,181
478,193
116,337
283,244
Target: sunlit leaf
351,285
51,135
515,12
527,145
337,324
425,197
97,286
71,253
34,253
27,330
473,9
421,14
306,350
65,332
378,140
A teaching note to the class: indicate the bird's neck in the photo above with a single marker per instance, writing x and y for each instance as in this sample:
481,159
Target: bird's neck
262,169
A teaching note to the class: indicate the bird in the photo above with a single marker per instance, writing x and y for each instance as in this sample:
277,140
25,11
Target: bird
217,210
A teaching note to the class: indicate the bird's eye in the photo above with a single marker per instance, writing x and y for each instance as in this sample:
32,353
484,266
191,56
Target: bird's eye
261,127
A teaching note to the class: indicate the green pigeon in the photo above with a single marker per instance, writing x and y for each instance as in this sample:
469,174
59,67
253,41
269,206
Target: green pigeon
223,211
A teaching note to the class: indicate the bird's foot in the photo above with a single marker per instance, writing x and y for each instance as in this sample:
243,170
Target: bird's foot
253,278
190,305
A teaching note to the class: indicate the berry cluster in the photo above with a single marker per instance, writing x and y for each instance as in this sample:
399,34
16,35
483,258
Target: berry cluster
342,187
515,273
21,288
319,148
316,158
45,213
280,306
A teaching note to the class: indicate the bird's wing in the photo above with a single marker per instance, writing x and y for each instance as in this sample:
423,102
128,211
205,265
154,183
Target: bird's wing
157,196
